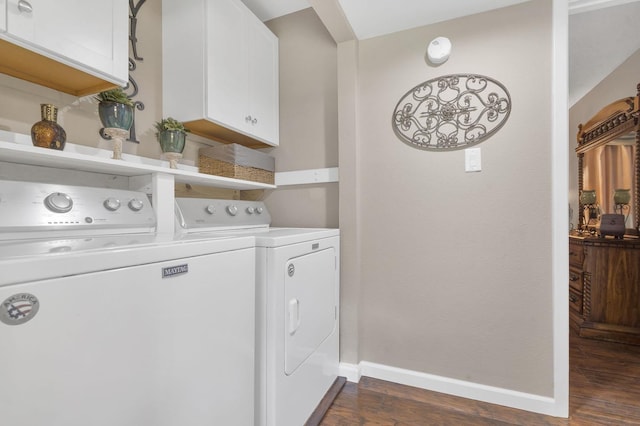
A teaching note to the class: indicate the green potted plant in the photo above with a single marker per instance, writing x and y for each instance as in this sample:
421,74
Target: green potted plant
115,109
171,135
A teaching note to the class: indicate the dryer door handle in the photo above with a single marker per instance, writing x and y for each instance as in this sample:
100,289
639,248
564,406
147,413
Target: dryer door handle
294,315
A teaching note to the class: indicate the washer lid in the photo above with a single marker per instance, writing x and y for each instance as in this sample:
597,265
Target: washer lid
24,261
50,247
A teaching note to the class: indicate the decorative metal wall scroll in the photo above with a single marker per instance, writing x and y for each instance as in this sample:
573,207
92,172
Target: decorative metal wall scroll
132,85
451,112
133,25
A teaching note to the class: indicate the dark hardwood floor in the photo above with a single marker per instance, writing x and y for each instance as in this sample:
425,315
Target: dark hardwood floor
604,390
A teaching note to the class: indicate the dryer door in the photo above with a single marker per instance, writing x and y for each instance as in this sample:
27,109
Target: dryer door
310,317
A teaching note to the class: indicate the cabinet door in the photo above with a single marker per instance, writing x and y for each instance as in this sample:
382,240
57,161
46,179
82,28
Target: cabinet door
263,81
88,33
226,63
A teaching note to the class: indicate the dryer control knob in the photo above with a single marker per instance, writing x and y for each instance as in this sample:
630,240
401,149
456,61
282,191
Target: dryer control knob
232,210
135,205
111,204
259,210
211,209
58,202
250,210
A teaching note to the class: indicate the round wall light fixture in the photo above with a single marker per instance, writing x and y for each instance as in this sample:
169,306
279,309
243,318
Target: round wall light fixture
439,50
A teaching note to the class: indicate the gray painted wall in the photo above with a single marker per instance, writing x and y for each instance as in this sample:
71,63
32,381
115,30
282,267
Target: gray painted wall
308,120
452,270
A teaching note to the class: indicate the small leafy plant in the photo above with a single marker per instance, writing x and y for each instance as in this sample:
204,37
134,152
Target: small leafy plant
114,95
169,124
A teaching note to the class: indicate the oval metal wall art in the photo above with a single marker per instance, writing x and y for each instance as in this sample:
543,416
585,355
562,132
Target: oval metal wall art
451,112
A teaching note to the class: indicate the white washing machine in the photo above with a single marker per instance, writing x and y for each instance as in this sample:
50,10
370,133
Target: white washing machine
297,304
104,324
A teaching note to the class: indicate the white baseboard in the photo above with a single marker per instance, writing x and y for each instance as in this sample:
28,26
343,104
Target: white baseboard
350,371
494,395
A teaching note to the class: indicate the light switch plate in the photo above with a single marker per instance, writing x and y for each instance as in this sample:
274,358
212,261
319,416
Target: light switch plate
472,160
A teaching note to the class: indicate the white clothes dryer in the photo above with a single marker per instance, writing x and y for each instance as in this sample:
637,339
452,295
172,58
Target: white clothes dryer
121,328
298,278
297,304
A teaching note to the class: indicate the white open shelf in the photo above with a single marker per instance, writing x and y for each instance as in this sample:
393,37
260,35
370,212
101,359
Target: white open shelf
307,177
87,159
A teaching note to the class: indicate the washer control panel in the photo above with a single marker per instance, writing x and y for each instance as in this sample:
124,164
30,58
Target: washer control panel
34,206
197,214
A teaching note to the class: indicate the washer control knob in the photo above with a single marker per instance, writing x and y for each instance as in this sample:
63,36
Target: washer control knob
111,204
232,210
250,210
58,202
136,205
259,210
211,209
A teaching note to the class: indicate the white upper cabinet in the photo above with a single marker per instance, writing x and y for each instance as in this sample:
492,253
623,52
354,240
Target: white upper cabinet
220,71
263,80
78,47
227,70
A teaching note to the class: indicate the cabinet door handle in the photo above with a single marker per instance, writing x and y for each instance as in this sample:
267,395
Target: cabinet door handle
254,121
572,253
25,6
574,277
247,119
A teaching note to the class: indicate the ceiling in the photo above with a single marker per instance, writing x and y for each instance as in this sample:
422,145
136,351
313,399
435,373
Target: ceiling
602,33
372,18
599,42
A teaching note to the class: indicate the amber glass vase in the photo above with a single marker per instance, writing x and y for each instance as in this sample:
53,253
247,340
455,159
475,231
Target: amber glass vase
47,133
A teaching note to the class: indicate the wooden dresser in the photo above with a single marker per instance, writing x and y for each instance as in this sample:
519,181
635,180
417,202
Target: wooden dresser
604,288
576,259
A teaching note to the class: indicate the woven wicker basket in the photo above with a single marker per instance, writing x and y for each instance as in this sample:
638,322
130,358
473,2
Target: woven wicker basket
211,166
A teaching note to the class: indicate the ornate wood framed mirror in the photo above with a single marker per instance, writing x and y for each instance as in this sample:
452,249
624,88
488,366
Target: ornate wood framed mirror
608,164
604,273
